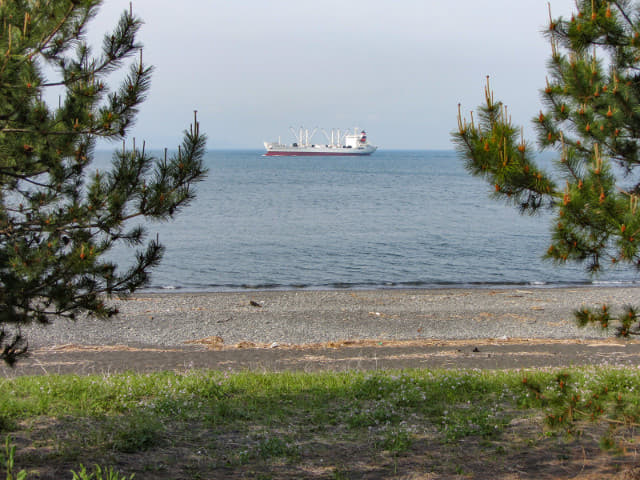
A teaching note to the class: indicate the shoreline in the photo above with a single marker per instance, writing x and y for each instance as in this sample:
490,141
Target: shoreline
335,330
224,289
301,317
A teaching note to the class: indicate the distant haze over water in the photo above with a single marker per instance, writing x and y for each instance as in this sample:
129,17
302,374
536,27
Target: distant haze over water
396,219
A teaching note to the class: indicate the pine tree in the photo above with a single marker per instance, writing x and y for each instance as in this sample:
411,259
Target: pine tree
59,215
591,118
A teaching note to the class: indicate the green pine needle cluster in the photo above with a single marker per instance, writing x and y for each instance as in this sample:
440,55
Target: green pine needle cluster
59,216
569,403
627,323
591,120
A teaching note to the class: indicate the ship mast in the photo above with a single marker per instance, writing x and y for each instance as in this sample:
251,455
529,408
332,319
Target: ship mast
334,140
297,136
302,136
310,137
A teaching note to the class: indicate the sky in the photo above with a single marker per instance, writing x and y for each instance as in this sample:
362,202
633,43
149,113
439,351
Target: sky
254,68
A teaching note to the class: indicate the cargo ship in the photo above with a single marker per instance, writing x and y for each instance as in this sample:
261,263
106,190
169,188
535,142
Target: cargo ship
338,143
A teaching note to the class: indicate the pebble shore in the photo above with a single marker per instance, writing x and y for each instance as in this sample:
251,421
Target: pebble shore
308,317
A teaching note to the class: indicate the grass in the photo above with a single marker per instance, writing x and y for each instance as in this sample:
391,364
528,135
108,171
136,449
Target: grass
285,425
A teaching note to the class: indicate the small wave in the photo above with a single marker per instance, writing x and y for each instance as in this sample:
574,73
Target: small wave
418,285
615,283
262,286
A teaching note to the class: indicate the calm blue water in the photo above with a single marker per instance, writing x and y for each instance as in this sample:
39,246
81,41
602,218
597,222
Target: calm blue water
394,219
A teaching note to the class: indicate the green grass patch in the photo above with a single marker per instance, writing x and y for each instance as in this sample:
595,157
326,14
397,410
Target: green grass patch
234,420
357,399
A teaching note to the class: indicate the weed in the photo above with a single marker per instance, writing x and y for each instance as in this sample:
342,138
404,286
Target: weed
135,433
6,424
396,441
375,414
270,447
8,458
99,473
463,421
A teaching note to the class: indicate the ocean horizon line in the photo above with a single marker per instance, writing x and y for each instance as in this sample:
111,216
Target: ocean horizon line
258,149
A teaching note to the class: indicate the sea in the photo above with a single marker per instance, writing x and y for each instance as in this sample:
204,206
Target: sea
395,219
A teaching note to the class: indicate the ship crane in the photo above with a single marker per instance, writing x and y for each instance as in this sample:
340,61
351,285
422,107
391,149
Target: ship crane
336,138
332,141
302,136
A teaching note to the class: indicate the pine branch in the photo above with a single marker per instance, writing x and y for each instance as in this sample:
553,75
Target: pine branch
45,41
55,221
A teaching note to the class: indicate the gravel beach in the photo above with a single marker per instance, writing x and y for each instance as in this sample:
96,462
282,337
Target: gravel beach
250,328
303,317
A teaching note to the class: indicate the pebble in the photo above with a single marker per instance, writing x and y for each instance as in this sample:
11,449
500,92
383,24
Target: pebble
304,316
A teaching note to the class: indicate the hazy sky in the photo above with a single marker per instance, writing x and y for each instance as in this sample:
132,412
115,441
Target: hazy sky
254,68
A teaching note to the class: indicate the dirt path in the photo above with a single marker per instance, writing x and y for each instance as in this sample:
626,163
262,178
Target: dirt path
356,355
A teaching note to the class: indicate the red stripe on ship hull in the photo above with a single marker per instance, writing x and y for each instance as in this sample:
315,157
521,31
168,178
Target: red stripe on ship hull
315,154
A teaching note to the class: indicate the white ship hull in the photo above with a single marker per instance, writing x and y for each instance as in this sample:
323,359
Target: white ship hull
291,151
